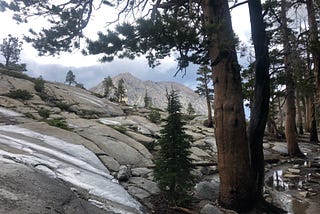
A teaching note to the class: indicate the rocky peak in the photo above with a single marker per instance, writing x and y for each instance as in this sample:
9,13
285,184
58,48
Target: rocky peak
137,88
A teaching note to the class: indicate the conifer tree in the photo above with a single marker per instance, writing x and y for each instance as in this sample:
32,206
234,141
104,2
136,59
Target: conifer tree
203,89
147,100
120,91
173,167
10,49
190,109
70,77
108,85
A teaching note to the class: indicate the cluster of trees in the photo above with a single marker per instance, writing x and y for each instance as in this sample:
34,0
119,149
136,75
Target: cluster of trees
112,92
200,32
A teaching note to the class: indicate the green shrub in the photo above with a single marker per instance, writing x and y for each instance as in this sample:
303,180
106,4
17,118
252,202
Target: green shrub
58,123
46,97
64,106
16,74
98,95
45,113
19,94
186,117
39,84
154,116
120,129
29,115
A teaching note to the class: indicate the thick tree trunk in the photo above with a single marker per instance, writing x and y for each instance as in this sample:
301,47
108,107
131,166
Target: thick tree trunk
260,107
290,123
314,41
309,102
230,129
313,125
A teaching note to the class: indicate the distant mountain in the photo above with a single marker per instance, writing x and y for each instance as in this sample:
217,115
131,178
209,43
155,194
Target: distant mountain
137,88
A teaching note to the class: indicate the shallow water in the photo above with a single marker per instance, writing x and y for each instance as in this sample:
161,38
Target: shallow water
287,193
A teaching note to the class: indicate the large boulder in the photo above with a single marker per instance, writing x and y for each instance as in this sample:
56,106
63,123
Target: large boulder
26,191
122,148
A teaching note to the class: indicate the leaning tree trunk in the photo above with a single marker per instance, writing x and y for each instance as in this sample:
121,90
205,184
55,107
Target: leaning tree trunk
230,129
290,123
260,107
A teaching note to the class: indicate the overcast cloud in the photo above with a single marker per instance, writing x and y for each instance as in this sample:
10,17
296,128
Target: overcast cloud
89,71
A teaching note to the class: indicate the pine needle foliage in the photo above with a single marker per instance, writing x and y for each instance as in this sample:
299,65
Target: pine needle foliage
173,166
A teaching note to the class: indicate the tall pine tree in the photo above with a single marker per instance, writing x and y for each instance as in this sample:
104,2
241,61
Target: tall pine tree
173,167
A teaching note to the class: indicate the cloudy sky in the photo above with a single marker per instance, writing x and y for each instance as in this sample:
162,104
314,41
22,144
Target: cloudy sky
88,70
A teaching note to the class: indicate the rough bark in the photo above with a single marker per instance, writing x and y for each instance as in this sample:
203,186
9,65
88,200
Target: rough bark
290,122
308,113
235,189
260,107
313,125
210,120
314,41
299,111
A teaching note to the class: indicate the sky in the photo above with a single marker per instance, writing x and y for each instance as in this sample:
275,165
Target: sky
88,70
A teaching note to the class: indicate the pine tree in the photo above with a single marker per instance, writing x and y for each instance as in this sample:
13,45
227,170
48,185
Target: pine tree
190,109
10,49
120,91
173,167
70,77
204,79
108,86
147,100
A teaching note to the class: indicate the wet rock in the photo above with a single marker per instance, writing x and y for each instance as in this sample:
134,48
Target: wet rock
124,173
304,194
210,209
212,142
208,170
294,171
26,191
141,138
138,192
207,190
287,175
199,152
109,162
266,146
145,184
140,172
281,148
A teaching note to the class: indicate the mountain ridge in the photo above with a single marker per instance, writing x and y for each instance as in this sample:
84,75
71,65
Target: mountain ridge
137,88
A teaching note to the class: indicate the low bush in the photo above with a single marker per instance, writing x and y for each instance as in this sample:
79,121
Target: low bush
120,129
39,84
16,74
63,106
19,94
45,113
154,116
61,123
